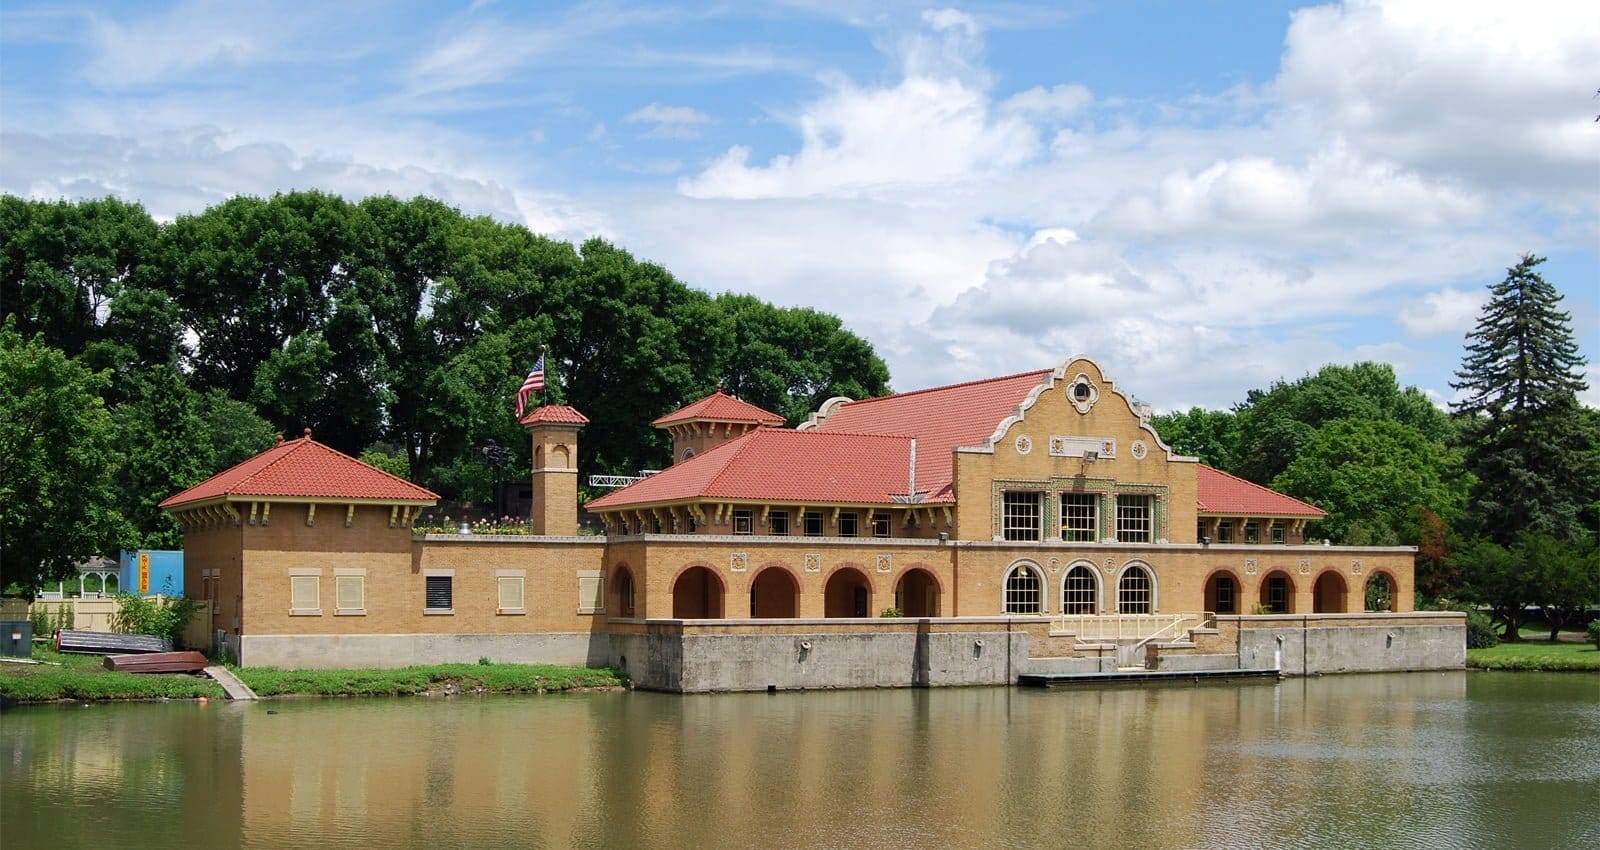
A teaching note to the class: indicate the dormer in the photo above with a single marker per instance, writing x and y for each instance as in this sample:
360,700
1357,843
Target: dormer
712,421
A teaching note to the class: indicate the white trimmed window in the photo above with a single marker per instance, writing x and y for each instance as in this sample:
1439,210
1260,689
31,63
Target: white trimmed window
1277,594
1020,515
778,523
511,586
880,524
305,594
1133,519
744,522
1225,532
438,596
1079,592
591,592
849,524
1134,592
1080,517
1277,533
1226,603
1023,591
812,521
1252,533
350,592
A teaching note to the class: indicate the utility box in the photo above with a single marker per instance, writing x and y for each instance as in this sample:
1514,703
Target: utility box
16,639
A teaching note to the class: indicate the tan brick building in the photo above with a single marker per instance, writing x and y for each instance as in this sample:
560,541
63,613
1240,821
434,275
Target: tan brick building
1013,500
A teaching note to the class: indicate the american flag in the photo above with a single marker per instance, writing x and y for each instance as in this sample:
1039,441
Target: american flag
530,385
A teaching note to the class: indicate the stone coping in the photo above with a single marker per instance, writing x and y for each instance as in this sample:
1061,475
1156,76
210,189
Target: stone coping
1295,619
505,539
838,621
914,542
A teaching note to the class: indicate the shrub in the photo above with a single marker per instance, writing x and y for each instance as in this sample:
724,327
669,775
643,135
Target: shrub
1480,630
1594,633
892,612
165,618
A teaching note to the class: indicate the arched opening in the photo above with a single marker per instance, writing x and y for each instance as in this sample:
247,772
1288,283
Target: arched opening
847,594
774,595
1222,593
1136,592
1277,593
562,457
1080,591
917,594
1380,592
1328,594
538,457
622,602
697,595
1024,590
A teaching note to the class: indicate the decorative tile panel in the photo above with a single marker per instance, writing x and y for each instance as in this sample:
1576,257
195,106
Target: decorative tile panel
885,563
1355,567
813,562
736,562
1249,566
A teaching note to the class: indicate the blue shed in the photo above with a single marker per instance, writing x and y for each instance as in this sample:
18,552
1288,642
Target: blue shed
148,572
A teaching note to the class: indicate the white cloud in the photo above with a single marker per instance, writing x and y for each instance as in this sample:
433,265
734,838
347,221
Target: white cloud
1445,312
193,35
669,122
1055,102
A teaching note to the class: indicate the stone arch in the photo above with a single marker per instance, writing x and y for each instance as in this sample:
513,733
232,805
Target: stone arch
1022,592
697,594
1136,589
774,594
622,589
917,593
1081,589
561,457
1222,592
538,457
1379,592
1329,593
847,593
1277,592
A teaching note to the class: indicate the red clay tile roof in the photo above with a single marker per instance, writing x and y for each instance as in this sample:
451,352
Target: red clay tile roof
941,418
780,465
1217,492
304,468
555,413
720,407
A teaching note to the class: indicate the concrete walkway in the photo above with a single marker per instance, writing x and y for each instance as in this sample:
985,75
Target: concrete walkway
236,689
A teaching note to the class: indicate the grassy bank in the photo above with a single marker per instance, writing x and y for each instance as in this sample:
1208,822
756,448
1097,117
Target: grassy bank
1536,655
84,677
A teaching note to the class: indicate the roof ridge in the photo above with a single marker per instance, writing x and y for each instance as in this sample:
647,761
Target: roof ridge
740,443
970,383
1247,481
289,447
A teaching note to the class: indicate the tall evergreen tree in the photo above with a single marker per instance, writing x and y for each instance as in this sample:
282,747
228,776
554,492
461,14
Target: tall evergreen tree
1524,429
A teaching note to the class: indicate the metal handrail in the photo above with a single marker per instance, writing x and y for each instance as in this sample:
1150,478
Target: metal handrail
1140,627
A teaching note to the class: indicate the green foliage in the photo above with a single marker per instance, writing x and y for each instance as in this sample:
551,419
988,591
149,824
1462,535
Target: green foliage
1480,630
47,619
1211,435
166,448
1535,655
57,454
892,612
449,678
1559,577
1594,633
1492,575
1534,451
394,464
84,677
149,615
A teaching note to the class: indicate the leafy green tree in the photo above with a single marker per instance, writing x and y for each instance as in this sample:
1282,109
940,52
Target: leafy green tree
393,463
166,448
1371,476
233,429
1525,433
1211,435
58,450
1564,578
1493,575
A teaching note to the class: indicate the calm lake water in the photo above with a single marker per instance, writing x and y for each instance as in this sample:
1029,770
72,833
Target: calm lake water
1429,759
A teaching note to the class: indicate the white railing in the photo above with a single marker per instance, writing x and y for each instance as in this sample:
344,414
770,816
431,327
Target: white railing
1143,628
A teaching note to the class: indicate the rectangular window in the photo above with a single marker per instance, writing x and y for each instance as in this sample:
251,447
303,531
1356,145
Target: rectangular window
1133,519
438,595
349,594
880,524
1277,595
1080,520
305,596
849,525
1251,533
1225,532
511,588
1277,533
1019,517
1225,603
813,523
743,522
778,523
591,592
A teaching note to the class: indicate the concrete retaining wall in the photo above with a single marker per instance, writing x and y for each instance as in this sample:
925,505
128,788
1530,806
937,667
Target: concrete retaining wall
1314,645
335,652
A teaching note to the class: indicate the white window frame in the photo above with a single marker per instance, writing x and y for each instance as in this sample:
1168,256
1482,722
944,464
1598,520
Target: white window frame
300,578
744,521
344,577
806,518
778,523
882,524
1131,597
591,592
1073,598
1132,527
1233,593
438,612
1089,534
1225,531
511,578
849,524
1018,599
1021,515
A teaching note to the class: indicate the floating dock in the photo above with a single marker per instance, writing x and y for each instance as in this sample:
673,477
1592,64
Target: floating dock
1141,677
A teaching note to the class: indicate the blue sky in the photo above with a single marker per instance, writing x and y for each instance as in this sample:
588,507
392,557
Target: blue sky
1203,196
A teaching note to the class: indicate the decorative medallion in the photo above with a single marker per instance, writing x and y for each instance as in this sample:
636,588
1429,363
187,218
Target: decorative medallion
736,562
1355,568
1055,565
1249,566
1305,566
1111,566
1082,393
885,563
813,562
1024,444
1139,449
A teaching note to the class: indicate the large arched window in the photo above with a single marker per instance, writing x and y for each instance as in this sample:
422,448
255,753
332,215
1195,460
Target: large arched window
1080,593
1024,591
1135,591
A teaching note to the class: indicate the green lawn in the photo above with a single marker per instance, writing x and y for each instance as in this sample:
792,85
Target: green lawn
1536,655
84,677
